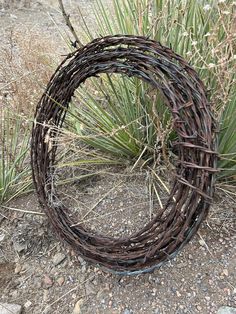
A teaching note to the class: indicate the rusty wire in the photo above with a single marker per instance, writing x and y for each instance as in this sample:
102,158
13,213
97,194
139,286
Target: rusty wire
193,187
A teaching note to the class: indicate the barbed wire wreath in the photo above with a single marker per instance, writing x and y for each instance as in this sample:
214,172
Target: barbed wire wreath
193,186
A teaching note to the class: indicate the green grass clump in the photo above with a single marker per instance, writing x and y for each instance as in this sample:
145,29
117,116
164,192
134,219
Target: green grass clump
227,143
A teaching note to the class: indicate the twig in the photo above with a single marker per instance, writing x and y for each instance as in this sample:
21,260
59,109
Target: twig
24,211
158,197
139,158
3,216
113,212
95,205
205,244
68,23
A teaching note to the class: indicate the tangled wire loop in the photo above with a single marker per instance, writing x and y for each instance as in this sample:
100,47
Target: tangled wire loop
193,186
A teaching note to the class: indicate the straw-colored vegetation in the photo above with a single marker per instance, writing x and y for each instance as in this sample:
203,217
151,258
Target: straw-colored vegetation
25,68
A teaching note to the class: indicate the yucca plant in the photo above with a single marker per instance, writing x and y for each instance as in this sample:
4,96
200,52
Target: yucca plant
15,175
202,32
227,143
119,117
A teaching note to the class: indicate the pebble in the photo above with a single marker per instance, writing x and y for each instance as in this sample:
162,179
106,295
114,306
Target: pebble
225,272
12,16
27,304
154,292
226,310
81,260
72,253
47,281
7,308
60,281
58,258
77,308
18,268
202,242
127,311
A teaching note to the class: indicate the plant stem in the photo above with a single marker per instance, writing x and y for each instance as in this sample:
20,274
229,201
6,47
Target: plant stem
69,24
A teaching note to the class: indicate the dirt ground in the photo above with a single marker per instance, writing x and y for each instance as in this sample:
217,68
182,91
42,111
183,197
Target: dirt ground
45,276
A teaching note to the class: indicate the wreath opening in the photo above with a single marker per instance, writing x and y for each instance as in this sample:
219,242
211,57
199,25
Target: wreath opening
193,186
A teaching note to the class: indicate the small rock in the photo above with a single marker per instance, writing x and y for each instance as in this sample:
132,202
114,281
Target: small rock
81,260
77,308
18,268
47,281
127,311
12,16
6,308
225,272
27,304
202,242
72,253
178,294
60,281
58,258
226,310
154,292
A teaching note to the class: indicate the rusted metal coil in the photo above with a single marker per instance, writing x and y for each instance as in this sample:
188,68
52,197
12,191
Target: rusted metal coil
193,186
